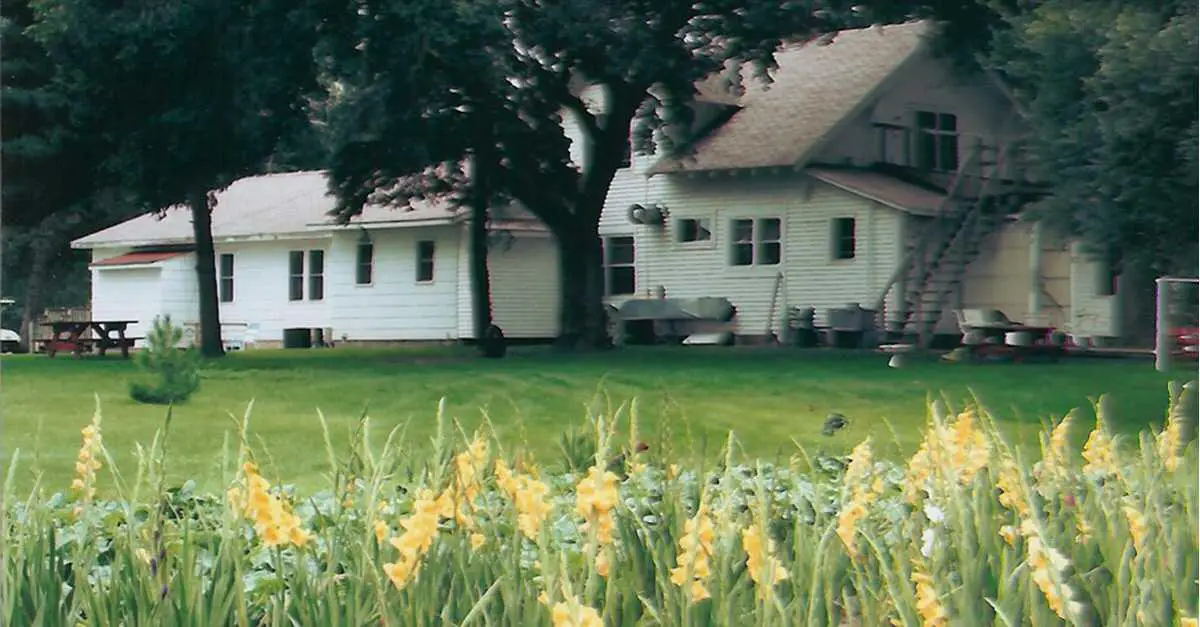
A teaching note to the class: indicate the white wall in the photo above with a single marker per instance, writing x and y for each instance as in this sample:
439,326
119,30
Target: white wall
807,208
260,292
1093,314
394,306
180,292
524,277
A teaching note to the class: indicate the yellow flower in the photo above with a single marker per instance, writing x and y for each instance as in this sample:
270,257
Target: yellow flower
87,462
765,570
929,603
1012,493
860,464
672,471
1188,621
381,530
1170,441
969,450
595,497
574,614
1009,534
1047,567
477,540
695,550
1137,527
848,519
602,562
273,522
1099,452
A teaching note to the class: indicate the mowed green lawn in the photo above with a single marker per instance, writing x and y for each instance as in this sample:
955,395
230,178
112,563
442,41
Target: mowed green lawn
768,397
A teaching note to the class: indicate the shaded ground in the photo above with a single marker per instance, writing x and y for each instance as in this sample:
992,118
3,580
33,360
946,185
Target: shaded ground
688,397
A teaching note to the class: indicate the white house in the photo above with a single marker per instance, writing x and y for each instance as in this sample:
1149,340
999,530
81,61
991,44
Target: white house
868,173
861,152
282,263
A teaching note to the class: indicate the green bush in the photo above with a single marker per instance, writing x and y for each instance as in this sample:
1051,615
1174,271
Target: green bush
176,372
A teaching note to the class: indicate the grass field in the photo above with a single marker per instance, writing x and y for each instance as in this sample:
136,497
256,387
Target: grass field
688,397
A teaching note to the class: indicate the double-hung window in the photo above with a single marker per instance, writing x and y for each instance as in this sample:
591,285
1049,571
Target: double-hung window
756,242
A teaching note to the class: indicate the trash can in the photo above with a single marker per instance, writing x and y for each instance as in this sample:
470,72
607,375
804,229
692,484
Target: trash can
297,338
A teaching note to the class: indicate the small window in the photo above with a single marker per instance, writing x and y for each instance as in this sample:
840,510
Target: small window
937,141
425,254
756,242
296,275
316,275
619,268
694,230
843,238
225,276
364,269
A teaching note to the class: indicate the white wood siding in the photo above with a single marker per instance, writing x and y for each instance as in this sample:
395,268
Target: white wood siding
1093,314
394,306
180,291
807,208
260,287
1000,278
524,283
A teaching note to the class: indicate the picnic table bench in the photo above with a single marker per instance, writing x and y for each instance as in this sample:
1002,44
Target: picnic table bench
67,335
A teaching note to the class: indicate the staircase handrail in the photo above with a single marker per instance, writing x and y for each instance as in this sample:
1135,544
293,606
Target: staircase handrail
938,216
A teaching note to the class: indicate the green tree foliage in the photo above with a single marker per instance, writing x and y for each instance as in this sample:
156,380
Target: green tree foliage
190,96
175,372
1110,91
418,76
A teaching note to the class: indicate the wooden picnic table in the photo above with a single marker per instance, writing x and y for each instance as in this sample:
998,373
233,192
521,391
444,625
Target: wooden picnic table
67,335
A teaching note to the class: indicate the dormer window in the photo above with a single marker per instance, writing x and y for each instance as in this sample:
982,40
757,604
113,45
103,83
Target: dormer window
937,141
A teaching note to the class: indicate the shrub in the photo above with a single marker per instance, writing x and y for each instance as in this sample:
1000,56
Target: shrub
968,531
176,371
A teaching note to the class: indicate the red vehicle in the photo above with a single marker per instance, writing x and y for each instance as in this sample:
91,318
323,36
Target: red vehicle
1186,340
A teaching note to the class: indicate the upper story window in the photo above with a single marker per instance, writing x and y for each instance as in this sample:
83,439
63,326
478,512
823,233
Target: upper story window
937,141
619,275
756,242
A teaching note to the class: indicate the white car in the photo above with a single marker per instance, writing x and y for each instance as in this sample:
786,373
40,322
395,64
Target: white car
9,340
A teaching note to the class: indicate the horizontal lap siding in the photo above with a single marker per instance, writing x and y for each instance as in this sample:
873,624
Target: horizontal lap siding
1092,314
180,291
395,306
260,287
524,282
701,269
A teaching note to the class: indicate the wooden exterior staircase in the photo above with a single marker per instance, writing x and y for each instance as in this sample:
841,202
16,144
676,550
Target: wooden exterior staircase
935,265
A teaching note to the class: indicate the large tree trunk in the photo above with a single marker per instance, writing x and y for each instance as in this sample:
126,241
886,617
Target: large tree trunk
481,291
43,245
583,322
206,276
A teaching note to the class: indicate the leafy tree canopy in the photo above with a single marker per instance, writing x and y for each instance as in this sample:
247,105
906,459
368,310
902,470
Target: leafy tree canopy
420,78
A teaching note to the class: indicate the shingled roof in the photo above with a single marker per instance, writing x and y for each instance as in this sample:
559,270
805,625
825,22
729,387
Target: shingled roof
286,204
271,204
815,88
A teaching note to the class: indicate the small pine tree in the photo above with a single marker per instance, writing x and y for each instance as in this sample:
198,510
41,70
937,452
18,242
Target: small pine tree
177,371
